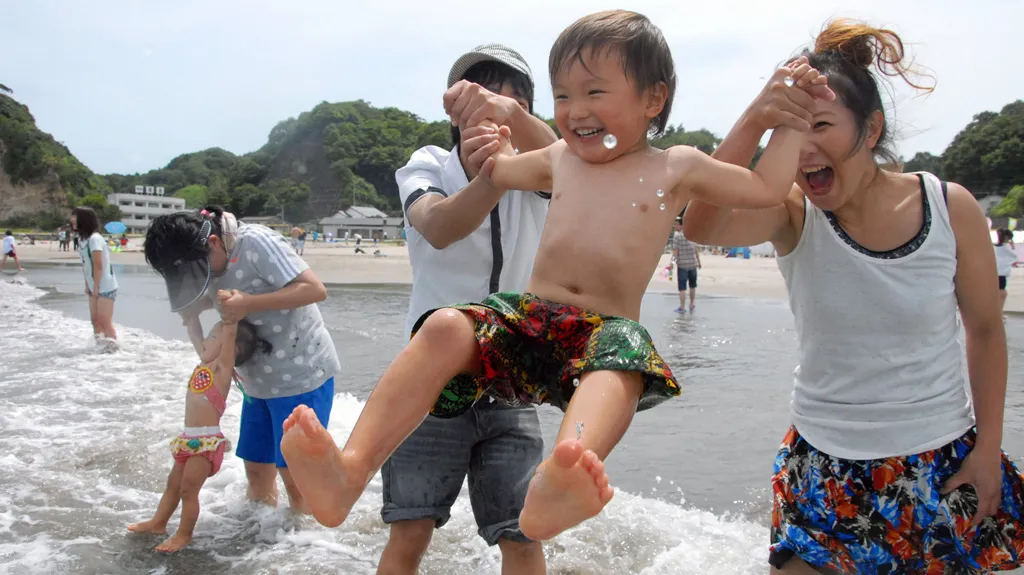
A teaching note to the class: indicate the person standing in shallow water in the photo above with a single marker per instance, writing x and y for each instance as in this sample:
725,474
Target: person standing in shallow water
200,253
1006,257
467,240
885,469
687,259
100,283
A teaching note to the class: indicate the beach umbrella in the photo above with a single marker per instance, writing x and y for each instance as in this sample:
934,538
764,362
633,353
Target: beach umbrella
115,228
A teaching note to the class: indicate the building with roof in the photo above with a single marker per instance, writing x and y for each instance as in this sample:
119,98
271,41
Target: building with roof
366,221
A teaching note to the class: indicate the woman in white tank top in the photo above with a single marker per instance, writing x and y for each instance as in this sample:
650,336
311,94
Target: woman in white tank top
888,468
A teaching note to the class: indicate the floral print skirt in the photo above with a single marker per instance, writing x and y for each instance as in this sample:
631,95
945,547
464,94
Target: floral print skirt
889,515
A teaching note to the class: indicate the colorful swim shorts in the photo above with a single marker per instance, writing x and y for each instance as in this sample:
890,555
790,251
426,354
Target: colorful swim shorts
207,442
889,515
534,351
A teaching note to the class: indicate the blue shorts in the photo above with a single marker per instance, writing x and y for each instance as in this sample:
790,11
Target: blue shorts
259,439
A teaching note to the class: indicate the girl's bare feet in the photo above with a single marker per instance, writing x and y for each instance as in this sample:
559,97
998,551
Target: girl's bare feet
175,543
568,488
329,481
151,526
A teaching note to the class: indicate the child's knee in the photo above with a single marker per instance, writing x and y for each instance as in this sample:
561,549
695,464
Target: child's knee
189,491
448,326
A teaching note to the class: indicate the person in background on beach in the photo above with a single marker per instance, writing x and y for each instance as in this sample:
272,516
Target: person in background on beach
100,283
199,252
9,251
1006,258
574,341
62,239
687,259
885,468
466,241
300,242
199,450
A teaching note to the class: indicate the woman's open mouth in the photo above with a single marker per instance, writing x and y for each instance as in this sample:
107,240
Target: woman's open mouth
819,179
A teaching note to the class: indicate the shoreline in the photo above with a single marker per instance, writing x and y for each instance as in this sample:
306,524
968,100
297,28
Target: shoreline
337,265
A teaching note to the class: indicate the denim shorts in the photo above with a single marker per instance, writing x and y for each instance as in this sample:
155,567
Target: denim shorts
111,295
498,447
685,276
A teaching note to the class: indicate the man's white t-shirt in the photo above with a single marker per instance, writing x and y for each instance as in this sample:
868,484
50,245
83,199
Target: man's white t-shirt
8,244
496,257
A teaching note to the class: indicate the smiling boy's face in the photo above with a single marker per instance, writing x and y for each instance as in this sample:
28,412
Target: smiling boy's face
594,98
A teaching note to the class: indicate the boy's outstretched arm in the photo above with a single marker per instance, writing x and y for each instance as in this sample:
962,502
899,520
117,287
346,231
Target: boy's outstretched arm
731,186
530,171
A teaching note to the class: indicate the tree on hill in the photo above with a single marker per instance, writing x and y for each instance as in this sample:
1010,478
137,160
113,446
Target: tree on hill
987,156
1012,205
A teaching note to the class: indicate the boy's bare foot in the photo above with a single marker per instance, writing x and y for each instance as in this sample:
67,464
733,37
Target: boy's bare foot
175,543
568,488
150,526
329,481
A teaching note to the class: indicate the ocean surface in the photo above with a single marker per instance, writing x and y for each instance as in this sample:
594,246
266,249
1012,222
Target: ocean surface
83,443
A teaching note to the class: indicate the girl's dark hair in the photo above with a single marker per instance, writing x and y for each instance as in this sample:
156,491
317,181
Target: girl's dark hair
846,51
172,238
86,221
248,343
492,75
646,57
1003,235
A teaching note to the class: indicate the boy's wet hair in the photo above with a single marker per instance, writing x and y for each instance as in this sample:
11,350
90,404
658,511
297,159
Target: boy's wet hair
8,233
646,57
248,343
851,53
494,75
173,238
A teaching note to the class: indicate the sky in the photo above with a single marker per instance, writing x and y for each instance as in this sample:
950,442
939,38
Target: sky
128,85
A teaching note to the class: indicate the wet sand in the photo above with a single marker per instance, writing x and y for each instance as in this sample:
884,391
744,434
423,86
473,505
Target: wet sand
338,264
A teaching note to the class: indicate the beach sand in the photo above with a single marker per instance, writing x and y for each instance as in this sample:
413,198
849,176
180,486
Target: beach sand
338,264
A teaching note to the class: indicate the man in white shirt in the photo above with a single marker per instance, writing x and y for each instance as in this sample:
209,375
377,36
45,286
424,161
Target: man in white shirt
466,241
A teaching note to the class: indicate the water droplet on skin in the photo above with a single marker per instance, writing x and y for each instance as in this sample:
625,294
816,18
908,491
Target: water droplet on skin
634,204
610,141
660,193
641,180
788,81
662,207
576,382
579,430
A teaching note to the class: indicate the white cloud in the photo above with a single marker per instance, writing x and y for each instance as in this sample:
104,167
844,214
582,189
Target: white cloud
223,73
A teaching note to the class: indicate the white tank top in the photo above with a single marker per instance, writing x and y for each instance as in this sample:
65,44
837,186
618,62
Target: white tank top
881,367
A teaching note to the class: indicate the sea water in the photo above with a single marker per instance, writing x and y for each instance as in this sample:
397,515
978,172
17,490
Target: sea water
84,433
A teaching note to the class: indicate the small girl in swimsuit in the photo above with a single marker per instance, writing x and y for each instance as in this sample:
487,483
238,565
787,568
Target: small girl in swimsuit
199,451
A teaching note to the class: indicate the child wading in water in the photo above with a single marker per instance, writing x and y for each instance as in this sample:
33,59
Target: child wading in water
199,450
574,340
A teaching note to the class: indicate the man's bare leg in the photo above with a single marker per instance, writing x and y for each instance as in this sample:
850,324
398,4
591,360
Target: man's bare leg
331,480
407,544
571,486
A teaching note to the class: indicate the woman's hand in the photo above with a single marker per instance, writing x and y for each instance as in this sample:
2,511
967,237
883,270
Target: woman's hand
233,305
982,469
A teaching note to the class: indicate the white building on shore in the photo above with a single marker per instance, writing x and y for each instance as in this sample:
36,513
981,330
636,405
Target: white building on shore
139,209
365,221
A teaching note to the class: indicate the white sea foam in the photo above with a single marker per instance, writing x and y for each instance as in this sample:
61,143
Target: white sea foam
83,452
